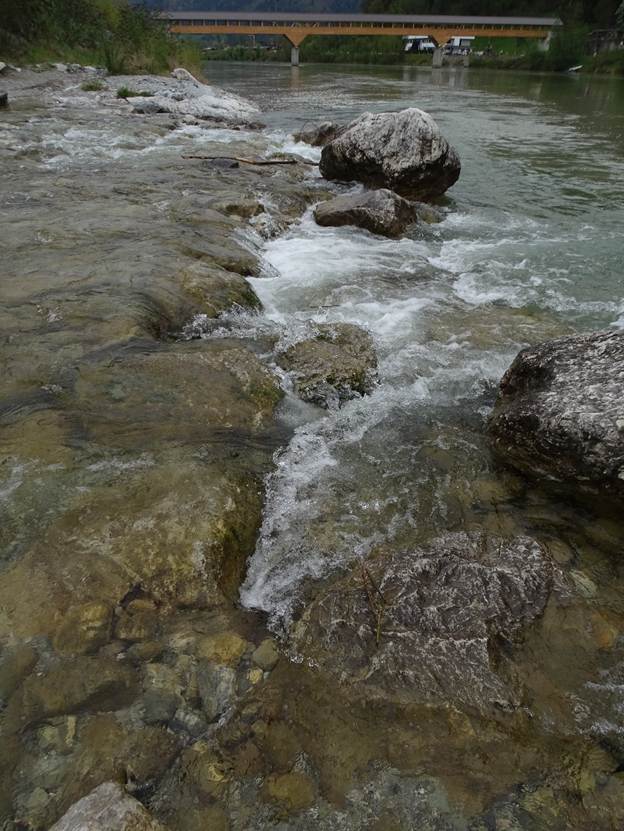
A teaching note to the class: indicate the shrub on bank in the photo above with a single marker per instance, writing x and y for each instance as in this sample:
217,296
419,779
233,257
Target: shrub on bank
110,33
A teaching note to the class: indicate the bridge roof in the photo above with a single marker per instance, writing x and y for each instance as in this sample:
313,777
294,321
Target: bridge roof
396,19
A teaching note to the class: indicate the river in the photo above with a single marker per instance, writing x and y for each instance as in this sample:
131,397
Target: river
117,448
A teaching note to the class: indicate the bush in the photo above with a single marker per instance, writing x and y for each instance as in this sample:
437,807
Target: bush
92,86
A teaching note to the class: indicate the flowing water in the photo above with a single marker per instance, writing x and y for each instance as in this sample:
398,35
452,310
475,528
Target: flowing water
530,247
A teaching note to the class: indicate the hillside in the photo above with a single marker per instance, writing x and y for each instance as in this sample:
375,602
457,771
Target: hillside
589,12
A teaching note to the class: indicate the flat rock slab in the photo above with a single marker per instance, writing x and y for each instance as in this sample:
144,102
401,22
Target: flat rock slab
336,365
378,211
107,808
403,151
425,624
184,95
560,412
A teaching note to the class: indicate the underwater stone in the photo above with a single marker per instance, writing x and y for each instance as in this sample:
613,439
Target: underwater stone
425,624
107,808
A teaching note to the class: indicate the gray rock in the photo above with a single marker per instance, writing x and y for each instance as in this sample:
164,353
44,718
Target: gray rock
321,134
107,808
378,211
337,364
427,624
427,213
221,164
183,95
147,106
3,66
560,412
217,685
403,151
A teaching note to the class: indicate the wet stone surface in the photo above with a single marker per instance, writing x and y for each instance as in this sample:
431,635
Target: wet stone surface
225,607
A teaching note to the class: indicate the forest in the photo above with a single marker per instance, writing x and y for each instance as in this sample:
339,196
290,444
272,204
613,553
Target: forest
593,13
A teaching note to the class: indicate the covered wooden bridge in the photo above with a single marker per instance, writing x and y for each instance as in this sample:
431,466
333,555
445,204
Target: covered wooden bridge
297,27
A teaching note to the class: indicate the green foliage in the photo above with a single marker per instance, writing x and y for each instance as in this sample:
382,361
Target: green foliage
126,92
606,63
113,33
92,86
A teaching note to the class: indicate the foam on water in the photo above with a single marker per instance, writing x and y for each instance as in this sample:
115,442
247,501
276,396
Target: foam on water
337,491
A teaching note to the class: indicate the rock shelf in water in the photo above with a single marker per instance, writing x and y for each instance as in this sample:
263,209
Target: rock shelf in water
426,624
378,211
337,364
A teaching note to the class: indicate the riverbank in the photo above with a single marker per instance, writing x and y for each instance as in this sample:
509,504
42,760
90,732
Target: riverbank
204,575
608,63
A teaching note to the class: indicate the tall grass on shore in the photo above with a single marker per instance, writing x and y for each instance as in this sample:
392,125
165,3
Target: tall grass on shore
111,33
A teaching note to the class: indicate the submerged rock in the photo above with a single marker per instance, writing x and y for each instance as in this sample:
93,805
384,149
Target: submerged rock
427,624
336,365
560,412
107,808
403,151
378,211
321,134
217,687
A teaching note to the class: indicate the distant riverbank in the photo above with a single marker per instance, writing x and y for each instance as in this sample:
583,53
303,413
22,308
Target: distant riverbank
564,54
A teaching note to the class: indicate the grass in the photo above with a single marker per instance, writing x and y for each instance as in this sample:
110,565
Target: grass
126,92
92,86
124,38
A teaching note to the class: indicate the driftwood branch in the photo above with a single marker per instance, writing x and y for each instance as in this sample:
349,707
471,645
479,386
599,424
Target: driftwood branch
376,601
256,162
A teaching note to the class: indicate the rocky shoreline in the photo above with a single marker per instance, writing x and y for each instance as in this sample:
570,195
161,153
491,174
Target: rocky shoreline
130,677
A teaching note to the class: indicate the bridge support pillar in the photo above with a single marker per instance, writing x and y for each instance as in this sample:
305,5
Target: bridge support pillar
438,57
294,56
544,45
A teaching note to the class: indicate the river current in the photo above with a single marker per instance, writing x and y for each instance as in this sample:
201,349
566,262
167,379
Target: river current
531,247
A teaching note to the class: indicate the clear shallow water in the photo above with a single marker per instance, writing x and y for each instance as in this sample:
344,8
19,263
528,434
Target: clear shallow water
102,211
530,248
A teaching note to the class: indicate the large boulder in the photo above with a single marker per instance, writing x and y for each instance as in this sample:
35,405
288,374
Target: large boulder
378,211
107,808
337,364
560,412
427,624
403,151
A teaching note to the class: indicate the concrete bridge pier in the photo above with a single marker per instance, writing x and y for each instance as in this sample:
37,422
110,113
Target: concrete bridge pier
438,57
544,44
295,41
